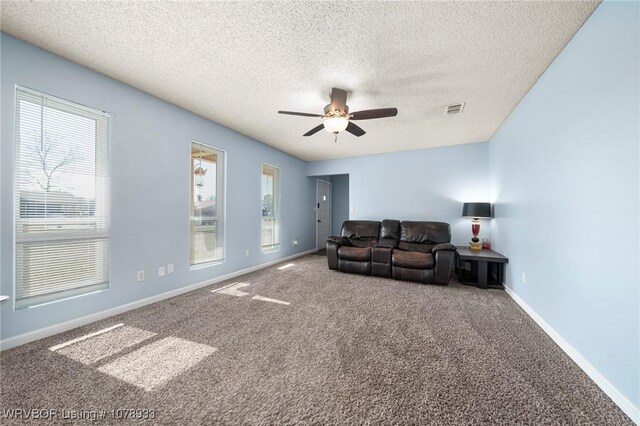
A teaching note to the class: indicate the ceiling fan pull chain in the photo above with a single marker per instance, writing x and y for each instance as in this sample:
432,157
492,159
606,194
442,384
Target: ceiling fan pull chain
336,139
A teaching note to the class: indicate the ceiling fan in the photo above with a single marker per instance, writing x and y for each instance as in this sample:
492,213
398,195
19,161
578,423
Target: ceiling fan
336,117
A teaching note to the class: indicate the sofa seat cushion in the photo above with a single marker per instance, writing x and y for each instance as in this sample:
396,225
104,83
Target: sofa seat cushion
360,254
412,259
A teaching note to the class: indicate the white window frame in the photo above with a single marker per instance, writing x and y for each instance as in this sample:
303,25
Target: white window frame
275,246
101,232
221,213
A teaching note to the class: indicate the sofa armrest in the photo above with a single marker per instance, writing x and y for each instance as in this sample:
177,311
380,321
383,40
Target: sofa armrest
332,254
381,260
443,246
443,265
385,245
343,241
381,254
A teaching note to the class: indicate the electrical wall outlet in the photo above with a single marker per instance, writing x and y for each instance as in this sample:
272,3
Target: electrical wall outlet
524,278
140,276
295,242
161,271
170,268
247,252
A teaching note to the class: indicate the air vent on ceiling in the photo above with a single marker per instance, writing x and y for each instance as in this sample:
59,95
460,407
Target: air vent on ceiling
454,109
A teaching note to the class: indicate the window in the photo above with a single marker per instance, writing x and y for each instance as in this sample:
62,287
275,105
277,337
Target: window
207,204
270,207
62,199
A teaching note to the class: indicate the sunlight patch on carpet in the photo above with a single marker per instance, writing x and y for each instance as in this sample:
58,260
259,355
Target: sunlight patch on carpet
155,364
288,265
102,344
85,337
266,299
233,290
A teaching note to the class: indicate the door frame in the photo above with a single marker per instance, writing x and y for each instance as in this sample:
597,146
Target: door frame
317,208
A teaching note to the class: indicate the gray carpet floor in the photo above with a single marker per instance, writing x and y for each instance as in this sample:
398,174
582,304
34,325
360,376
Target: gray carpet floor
347,349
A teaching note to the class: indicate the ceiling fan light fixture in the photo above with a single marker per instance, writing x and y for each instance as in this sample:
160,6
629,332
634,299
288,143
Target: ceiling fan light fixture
335,124
337,118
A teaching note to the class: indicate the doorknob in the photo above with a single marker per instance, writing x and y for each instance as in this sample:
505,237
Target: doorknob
319,221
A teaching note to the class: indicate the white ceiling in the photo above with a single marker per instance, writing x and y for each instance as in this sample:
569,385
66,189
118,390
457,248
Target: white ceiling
237,63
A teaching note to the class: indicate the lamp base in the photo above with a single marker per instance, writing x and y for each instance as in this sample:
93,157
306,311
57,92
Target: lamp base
475,245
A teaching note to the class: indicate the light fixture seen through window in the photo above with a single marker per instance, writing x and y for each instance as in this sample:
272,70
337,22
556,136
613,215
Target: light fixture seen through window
199,172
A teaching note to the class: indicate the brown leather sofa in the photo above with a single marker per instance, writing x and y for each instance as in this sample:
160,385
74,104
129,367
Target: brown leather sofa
408,250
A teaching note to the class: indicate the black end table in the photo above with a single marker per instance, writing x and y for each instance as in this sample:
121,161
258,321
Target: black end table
483,264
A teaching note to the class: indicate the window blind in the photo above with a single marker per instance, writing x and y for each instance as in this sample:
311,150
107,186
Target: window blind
62,198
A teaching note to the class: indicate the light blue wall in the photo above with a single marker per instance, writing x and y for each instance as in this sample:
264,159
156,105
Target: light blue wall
565,180
428,184
150,149
339,202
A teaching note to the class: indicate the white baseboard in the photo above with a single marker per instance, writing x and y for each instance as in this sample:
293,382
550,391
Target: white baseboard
31,336
616,396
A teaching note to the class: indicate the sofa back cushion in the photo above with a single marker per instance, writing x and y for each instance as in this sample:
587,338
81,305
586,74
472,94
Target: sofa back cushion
361,233
390,232
422,236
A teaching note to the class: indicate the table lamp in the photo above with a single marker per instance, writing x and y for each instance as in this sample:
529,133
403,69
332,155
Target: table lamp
476,211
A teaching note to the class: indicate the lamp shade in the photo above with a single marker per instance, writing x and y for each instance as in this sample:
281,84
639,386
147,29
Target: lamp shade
476,209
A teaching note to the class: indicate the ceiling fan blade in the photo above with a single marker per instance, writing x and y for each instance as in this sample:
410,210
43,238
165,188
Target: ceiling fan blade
374,113
338,99
303,114
314,130
354,130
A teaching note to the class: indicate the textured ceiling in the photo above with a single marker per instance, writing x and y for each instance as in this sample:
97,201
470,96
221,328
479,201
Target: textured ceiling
237,63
